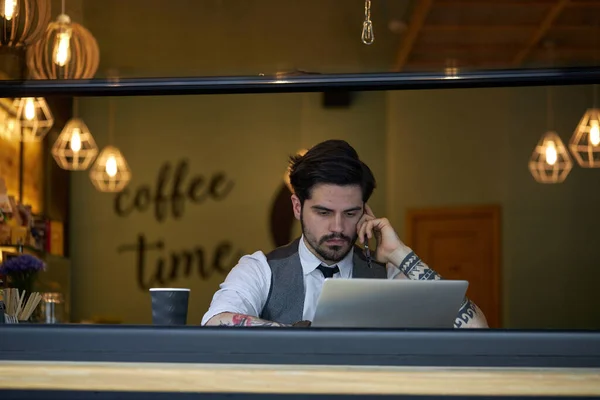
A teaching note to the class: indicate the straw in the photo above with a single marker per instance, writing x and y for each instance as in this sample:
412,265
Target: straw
18,310
30,306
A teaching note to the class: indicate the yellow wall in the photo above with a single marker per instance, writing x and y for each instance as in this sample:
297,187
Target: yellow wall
245,138
471,147
427,148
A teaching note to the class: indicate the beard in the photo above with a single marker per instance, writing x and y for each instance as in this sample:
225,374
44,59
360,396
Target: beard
329,253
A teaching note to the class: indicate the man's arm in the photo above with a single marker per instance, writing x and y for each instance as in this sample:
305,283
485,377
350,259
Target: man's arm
412,267
242,295
232,319
390,249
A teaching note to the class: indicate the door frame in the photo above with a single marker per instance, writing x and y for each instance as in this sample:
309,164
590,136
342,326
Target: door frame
492,211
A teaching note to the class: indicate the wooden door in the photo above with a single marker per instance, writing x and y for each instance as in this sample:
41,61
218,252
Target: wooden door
462,243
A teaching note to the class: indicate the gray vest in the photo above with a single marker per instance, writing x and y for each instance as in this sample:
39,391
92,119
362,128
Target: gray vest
285,303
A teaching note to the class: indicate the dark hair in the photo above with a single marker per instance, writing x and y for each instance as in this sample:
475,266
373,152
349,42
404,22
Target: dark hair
330,162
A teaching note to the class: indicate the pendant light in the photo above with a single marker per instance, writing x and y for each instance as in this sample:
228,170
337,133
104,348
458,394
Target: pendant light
550,161
22,22
367,36
67,50
75,148
34,118
110,172
585,141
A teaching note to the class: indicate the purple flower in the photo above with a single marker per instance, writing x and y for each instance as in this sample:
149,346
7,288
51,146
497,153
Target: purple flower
22,264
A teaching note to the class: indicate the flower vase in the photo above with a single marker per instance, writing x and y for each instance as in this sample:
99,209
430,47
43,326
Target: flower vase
21,272
23,282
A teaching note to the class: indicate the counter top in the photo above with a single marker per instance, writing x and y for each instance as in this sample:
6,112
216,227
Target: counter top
295,379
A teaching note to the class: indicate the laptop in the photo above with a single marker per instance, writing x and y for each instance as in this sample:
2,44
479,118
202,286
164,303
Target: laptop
389,303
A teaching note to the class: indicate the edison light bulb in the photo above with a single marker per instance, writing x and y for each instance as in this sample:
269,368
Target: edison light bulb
111,166
29,109
551,155
8,9
594,133
75,141
367,32
61,53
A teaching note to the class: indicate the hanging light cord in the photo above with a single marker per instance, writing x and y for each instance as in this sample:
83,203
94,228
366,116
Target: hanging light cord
549,97
63,7
111,121
597,60
549,109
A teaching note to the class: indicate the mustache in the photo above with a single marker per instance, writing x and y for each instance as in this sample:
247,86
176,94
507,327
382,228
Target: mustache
335,236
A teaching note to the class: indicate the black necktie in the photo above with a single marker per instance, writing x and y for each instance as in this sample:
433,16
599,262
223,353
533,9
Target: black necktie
328,271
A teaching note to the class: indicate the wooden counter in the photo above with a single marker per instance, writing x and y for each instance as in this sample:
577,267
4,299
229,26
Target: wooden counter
297,379
82,362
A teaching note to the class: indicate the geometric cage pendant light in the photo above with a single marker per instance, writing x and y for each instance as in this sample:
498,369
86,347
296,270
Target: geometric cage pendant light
75,148
34,118
550,161
585,142
110,172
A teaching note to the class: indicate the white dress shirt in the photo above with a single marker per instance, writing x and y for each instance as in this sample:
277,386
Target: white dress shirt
246,287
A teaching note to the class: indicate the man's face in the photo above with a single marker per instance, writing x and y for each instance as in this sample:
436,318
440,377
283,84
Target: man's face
329,220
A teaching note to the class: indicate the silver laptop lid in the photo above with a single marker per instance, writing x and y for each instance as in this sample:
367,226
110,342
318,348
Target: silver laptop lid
389,303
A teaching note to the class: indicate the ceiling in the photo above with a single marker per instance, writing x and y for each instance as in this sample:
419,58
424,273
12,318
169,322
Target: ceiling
480,34
249,37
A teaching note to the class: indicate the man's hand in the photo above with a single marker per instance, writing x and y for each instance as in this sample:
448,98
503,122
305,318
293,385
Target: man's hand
389,246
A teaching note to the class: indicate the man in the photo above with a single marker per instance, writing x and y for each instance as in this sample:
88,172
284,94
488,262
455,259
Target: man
331,187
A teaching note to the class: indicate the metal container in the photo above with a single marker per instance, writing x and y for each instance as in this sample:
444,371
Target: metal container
52,308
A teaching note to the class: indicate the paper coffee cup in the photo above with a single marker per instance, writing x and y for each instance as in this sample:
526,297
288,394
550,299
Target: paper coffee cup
169,306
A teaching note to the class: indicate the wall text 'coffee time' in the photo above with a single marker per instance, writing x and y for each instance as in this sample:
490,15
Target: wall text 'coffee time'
156,267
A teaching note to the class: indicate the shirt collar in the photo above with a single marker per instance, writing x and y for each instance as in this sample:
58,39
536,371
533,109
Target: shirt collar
310,262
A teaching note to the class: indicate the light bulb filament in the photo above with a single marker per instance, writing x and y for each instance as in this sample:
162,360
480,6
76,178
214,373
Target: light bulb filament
62,48
367,36
75,140
111,166
29,109
10,9
551,154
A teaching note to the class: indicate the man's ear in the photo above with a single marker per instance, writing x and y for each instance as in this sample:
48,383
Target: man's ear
296,206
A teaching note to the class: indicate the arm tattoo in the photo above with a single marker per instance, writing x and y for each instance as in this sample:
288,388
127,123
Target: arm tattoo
415,269
468,313
247,320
